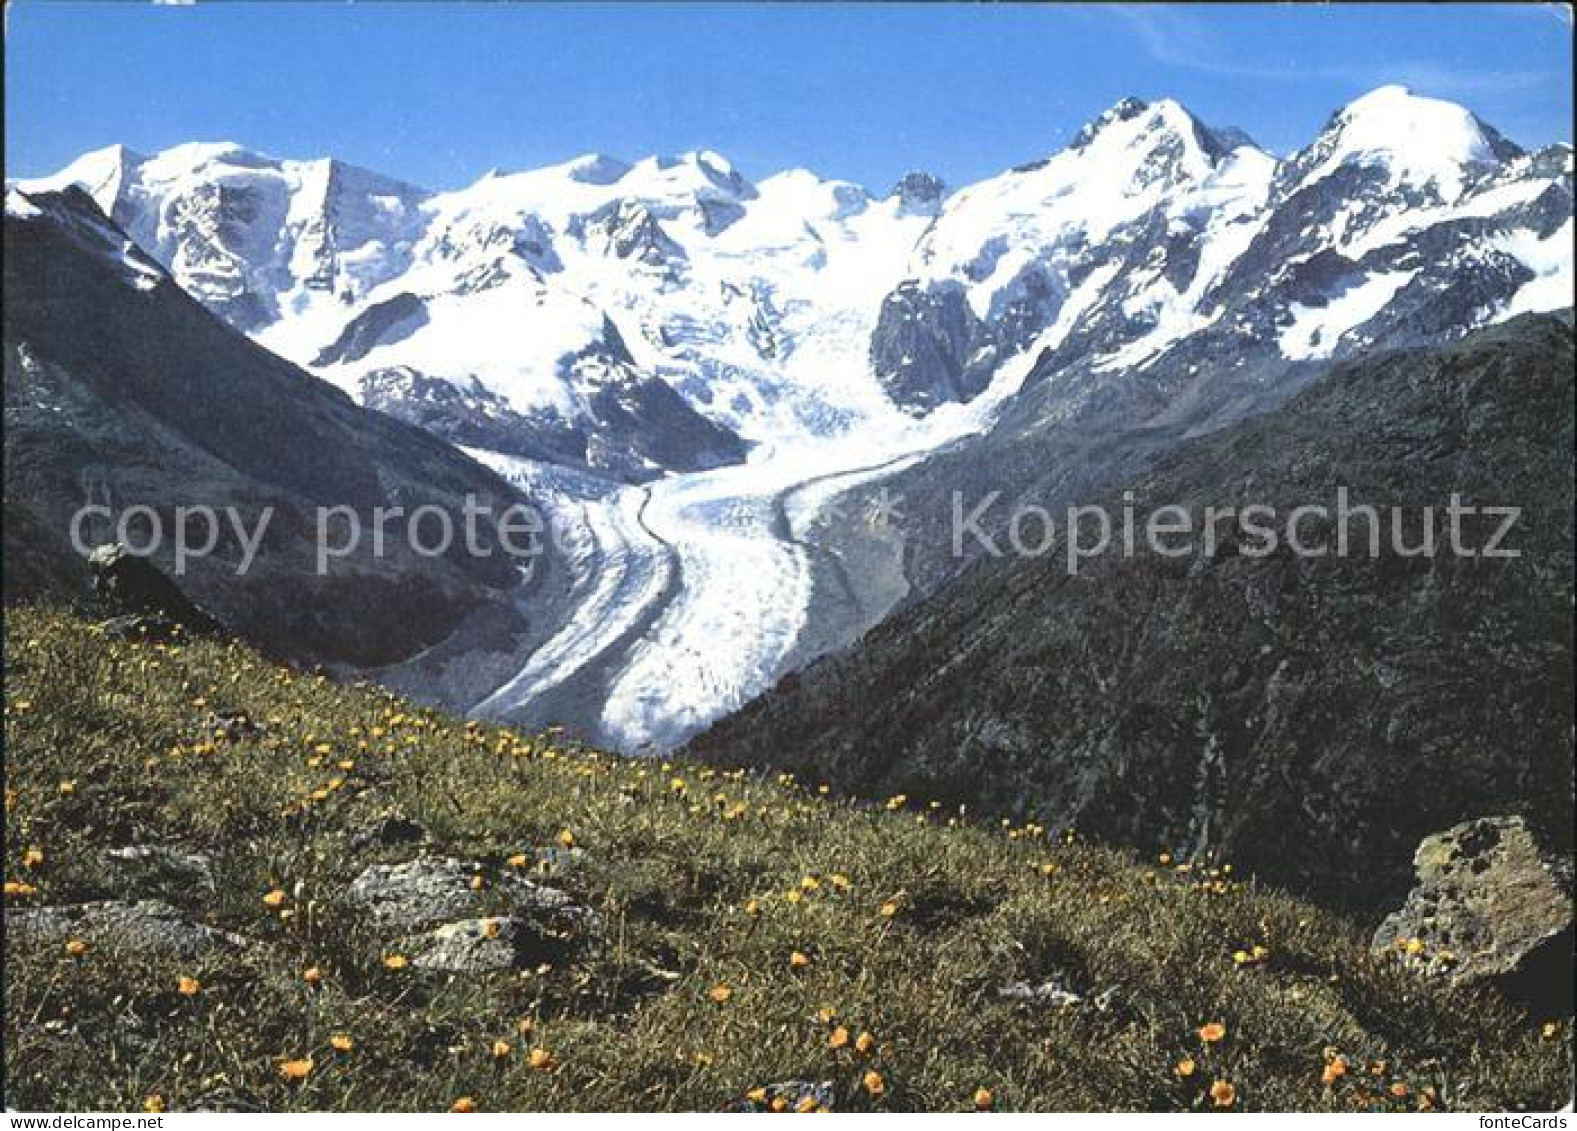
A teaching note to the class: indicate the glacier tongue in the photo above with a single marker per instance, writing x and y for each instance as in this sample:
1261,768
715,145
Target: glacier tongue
691,593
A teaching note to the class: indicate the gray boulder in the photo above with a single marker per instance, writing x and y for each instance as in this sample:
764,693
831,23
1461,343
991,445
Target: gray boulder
431,890
147,926
790,1095
479,946
435,917
1492,904
144,866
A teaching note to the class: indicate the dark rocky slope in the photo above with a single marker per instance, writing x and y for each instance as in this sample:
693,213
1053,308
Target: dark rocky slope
1309,718
122,390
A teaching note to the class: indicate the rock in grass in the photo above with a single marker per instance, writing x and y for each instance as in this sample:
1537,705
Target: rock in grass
405,899
233,726
1492,904
480,946
1053,994
790,1095
1046,995
143,926
158,866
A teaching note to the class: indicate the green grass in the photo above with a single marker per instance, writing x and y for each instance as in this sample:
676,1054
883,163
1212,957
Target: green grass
672,858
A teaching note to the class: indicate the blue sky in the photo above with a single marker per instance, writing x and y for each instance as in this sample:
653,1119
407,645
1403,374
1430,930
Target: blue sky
440,93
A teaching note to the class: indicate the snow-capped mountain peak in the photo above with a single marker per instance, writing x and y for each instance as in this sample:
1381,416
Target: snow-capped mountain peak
253,237
1125,110
1427,143
1145,192
1121,165
1135,125
1406,219
596,169
101,173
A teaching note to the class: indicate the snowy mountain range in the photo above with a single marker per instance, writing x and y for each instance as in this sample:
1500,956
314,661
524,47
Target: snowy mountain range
741,354
561,305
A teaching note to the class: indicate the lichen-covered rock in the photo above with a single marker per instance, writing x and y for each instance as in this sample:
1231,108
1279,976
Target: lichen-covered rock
1048,995
152,866
480,946
421,894
147,925
1492,904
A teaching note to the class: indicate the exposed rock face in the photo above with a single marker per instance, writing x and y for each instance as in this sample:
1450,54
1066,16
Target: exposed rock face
469,414
920,193
642,426
380,324
1492,904
930,348
635,426
1306,717
632,232
146,925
